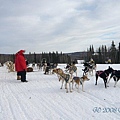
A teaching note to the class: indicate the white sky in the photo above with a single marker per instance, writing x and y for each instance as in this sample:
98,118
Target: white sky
58,25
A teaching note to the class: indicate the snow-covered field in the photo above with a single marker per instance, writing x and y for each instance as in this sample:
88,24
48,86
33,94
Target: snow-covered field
42,99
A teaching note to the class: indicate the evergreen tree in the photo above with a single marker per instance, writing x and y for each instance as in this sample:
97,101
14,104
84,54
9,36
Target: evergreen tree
113,52
100,55
34,57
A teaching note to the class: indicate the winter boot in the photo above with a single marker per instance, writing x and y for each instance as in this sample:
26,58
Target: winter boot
18,77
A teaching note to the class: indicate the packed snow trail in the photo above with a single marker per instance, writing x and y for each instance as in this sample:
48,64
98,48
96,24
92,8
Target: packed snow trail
42,99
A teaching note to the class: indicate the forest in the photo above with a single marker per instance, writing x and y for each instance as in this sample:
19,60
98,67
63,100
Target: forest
101,55
104,54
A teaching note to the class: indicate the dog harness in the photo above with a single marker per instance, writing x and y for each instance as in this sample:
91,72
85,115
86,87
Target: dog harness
99,72
81,82
66,77
105,73
74,68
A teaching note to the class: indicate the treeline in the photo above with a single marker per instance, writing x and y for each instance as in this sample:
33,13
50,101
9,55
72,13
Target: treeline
100,55
103,54
53,57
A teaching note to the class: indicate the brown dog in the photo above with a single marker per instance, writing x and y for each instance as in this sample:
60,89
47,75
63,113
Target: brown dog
59,72
64,77
79,81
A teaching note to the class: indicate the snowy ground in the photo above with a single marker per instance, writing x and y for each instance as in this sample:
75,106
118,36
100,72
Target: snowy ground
42,99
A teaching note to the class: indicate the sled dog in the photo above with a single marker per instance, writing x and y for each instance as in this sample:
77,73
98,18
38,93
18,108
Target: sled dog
79,81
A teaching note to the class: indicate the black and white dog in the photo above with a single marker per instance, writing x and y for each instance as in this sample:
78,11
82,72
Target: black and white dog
115,75
104,75
89,68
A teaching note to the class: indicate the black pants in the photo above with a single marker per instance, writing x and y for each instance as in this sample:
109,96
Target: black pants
23,75
18,74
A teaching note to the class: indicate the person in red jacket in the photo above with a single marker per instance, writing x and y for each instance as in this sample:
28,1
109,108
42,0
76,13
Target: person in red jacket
20,65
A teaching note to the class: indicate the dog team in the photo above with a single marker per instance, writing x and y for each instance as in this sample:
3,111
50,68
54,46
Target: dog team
67,77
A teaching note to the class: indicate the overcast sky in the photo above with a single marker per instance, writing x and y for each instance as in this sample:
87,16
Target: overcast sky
58,25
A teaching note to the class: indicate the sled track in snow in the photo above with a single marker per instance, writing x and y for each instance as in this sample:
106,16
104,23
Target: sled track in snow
42,98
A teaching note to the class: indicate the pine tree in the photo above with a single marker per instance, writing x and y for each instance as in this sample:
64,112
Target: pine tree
113,52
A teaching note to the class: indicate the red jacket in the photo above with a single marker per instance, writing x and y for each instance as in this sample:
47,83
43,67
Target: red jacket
20,63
